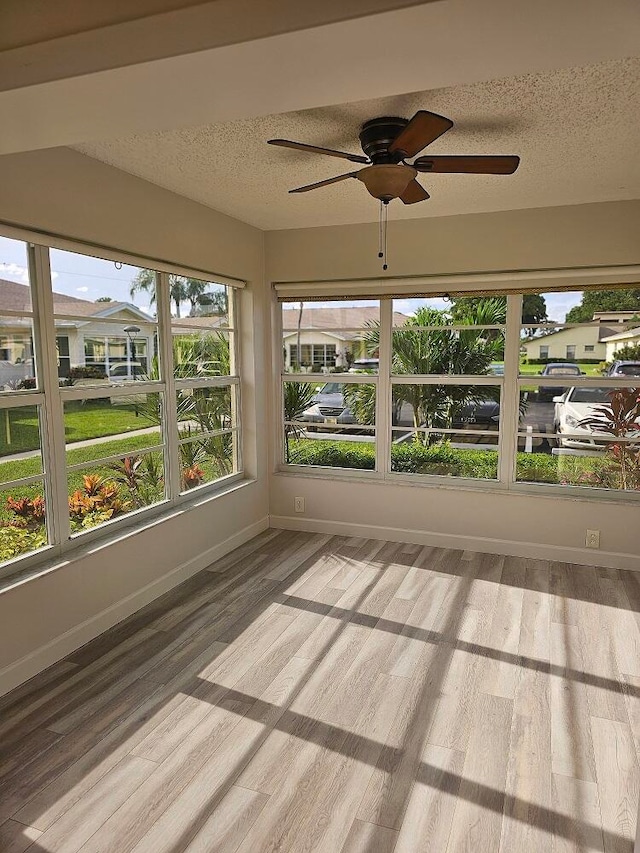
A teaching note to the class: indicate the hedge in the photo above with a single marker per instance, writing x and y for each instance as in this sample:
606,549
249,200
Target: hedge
442,458
409,457
564,360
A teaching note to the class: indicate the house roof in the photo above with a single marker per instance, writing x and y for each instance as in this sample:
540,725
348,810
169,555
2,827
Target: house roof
355,317
602,331
17,297
629,334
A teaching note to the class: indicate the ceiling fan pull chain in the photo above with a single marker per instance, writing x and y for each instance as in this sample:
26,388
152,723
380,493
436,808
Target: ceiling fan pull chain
385,220
380,241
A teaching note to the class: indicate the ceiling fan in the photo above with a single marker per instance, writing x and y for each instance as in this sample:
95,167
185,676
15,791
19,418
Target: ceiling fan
388,142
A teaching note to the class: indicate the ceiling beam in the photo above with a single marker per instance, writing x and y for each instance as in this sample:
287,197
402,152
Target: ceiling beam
424,47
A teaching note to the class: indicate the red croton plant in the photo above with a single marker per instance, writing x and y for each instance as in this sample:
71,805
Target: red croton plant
620,418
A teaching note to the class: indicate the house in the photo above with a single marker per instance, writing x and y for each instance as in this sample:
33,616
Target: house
613,343
221,630
329,337
576,343
82,340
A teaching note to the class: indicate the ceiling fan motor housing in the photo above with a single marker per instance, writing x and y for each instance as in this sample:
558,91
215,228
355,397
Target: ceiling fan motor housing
377,135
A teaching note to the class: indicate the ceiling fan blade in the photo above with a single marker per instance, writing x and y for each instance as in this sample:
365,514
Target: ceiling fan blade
422,130
335,180
413,193
315,149
480,165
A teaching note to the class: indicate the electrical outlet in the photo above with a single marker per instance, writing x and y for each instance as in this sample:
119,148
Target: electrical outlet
298,504
593,539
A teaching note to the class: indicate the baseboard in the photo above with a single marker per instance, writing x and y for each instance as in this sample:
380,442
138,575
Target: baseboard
535,550
22,670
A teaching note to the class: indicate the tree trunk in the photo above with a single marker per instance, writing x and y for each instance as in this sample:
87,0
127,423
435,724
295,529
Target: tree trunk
299,353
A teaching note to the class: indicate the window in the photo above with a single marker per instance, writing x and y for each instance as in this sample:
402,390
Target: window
564,436
446,387
330,424
207,386
24,524
109,405
440,388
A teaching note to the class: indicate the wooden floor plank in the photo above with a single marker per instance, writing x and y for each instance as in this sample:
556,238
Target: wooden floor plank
226,827
429,816
579,813
340,695
618,783
16,837
528,782
477,819
69,833
368,838
571,741
500,672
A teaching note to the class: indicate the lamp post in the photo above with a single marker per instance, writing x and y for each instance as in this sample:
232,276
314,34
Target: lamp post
129,331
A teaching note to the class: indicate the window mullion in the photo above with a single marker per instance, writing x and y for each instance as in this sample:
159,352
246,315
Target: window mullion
384,391
52,417
236,388
170,419
510,397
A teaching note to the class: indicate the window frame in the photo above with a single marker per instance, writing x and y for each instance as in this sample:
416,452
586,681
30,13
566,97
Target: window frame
50,397
510,384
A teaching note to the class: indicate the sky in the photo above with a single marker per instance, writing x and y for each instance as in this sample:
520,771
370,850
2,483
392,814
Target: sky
77,275
90,278
557,304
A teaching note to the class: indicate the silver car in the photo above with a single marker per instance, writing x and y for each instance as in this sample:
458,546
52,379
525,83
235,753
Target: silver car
328,407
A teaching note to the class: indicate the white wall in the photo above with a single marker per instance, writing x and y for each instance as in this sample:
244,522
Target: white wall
69,194
532,525
558,342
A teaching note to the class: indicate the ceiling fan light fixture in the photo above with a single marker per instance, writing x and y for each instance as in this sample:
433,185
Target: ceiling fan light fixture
386,181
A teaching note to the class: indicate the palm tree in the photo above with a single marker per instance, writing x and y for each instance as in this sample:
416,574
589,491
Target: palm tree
297,399
181,288
441,350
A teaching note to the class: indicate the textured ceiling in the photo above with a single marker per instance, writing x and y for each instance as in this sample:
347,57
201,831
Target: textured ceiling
576,131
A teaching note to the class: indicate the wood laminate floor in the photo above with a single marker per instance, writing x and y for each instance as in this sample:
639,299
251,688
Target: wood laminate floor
335,695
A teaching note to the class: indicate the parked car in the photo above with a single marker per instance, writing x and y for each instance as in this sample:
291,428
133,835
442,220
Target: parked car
571,408
365,364
126,370
328,407
556,369
624,368
496,368
482,414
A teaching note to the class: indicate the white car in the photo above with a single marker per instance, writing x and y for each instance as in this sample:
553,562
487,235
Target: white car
124,371
574,406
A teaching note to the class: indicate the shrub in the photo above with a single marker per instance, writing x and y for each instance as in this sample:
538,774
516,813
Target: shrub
30,512
409,458
81,372
142,476
15,540
563,360
96,502
441,458
333,454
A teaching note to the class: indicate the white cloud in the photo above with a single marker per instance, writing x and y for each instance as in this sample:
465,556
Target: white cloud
20,272
15,271
82,289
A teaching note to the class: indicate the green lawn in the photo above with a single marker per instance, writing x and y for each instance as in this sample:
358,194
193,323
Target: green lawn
535,369
19,430
14,470
126,446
